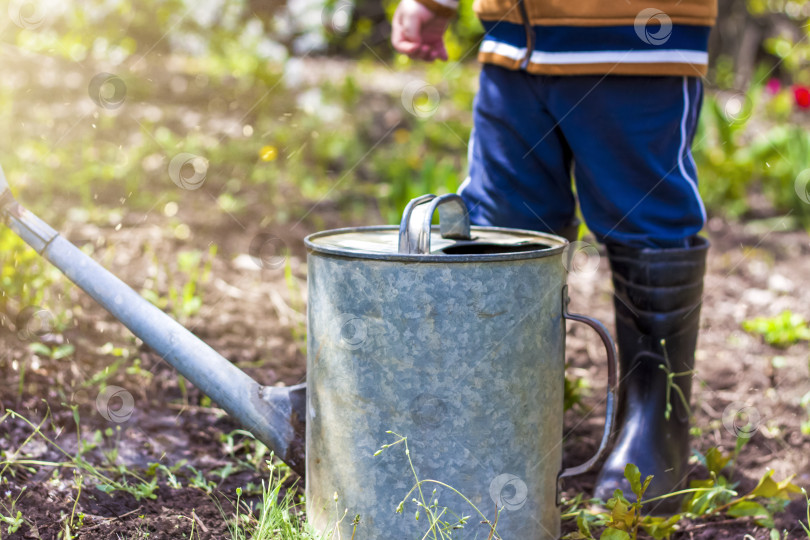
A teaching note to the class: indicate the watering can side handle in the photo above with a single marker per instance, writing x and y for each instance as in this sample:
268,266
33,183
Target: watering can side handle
610,409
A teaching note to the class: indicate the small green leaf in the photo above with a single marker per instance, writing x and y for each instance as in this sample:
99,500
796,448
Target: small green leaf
621,514
40,349
787,487
716,460
781,331
633,475
705,483
76,416
645,485
614,534
582,526
766,487
63,351
748,508
660,528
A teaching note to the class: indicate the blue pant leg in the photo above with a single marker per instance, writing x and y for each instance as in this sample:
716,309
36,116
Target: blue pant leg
631,138
520,164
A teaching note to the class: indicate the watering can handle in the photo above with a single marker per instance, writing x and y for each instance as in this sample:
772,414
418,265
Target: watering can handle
414,230
610,408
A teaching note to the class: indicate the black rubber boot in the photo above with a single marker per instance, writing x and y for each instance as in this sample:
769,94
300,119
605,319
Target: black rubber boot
570,232
657,296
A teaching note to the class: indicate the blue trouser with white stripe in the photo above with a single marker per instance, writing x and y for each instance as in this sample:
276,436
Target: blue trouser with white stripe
625,139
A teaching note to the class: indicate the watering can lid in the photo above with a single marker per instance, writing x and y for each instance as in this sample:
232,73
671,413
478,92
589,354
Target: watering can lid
453,240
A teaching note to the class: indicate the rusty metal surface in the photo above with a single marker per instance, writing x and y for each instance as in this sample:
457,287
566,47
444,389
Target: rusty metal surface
466,360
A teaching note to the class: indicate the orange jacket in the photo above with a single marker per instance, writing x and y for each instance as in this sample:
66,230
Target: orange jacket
579,37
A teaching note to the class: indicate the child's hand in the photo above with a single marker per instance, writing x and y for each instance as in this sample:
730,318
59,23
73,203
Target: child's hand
418,32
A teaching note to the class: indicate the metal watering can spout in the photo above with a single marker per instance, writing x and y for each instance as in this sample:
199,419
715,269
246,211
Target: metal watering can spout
275,415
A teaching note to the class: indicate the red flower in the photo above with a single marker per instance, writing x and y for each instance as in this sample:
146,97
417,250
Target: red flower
802,96
773,86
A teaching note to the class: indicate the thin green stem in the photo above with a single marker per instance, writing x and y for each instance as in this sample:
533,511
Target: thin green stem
75,502
28,439
432,518
457,492
77,461
683,492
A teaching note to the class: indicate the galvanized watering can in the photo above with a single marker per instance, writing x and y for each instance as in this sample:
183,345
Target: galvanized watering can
453,337
450,338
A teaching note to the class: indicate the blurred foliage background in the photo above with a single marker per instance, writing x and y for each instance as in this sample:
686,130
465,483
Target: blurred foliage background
302,109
